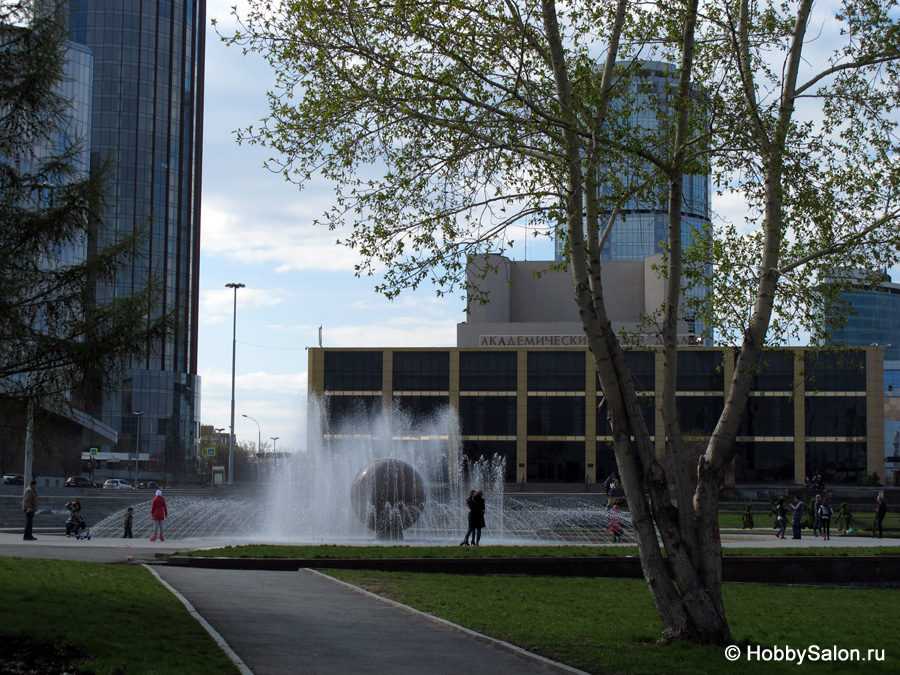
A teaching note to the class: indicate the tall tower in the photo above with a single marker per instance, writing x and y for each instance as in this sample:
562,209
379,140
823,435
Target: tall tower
147,125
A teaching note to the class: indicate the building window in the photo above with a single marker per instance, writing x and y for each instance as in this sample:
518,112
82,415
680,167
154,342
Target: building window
487,415
555,462
351,414
835,370
642,365
475,450
556,415
421,371
353,371
759,462
838,462
699,371
556,371
699,414
648,409
422,411
774,372
835,415
768,416
487,371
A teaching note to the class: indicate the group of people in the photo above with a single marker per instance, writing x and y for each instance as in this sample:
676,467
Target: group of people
822,512
75,522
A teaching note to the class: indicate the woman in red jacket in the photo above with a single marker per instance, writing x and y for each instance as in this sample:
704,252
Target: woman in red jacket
158,513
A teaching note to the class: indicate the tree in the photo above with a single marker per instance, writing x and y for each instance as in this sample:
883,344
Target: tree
445,124
59,339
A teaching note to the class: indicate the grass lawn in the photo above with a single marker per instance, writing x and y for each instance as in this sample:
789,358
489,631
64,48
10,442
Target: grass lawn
336,551
610,626
119,614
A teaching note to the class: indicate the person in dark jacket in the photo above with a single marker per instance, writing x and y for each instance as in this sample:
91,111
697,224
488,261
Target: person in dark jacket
797,519
781,516
880,513
29,506
129,523
470,532
478,508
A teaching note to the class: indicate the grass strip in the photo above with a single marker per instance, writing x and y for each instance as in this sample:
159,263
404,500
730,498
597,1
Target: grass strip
390,552
610,626
119,614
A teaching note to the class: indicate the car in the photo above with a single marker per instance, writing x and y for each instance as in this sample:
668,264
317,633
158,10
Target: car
149,485
80,482
117,484
14,479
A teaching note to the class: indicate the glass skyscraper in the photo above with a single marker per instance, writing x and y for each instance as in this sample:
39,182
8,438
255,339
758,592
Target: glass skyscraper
146,125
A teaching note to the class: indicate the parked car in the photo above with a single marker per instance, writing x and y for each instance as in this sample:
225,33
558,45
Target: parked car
117,484
14,479
80,482
149,485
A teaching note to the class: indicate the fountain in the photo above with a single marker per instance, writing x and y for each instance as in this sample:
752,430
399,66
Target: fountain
383,478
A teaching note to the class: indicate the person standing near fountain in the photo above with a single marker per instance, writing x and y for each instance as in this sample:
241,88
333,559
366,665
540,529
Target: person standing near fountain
478,508
470,532
158,513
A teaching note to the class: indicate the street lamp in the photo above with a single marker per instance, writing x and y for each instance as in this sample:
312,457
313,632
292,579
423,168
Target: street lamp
137,453
233,356
274,438
258,445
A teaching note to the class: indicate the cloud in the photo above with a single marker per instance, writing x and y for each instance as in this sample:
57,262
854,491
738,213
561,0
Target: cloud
218,305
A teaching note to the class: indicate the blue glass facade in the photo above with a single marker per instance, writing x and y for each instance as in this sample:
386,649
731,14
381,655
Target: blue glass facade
876,319
147,125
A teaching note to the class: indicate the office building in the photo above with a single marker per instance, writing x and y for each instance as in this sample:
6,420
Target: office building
146,123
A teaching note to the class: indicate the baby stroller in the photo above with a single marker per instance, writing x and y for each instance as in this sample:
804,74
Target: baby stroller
83,531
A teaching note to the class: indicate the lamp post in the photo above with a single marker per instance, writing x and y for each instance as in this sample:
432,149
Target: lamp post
137,452
258,442
274,454
233,356
218,431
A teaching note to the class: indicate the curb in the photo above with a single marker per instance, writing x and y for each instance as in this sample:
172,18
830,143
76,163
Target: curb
220,641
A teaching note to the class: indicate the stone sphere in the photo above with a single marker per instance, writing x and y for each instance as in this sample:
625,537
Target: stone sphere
388,496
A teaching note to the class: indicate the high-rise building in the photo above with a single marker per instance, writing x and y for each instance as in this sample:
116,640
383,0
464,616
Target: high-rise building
146,127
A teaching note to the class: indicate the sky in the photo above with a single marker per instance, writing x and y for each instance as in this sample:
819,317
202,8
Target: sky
256,229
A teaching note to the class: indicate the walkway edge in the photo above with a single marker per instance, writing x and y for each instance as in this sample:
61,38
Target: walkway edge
493,642
224,646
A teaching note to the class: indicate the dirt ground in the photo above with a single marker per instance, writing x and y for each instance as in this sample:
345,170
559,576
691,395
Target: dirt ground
23,656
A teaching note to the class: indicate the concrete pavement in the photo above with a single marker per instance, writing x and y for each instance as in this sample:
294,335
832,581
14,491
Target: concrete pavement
301,622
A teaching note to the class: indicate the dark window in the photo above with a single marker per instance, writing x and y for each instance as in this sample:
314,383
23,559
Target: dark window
835,415
555,462
488,415
556,371
475,450
487,371
421,371
642,365
835,370
759,462
699,371
699,413
351,414
838,462
353,371
556,415
768,416
648,408
420,411
774,372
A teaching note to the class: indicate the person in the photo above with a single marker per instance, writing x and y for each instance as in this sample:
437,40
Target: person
817,524
797,517
72,523
781,517
29,506
880,513
615,524
610,482
158,513
747,517
825,513
470,532
478,508
129,521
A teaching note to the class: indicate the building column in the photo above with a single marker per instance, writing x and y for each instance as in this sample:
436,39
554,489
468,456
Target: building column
522,416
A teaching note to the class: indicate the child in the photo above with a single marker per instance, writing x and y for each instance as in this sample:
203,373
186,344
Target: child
158,513
129,521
